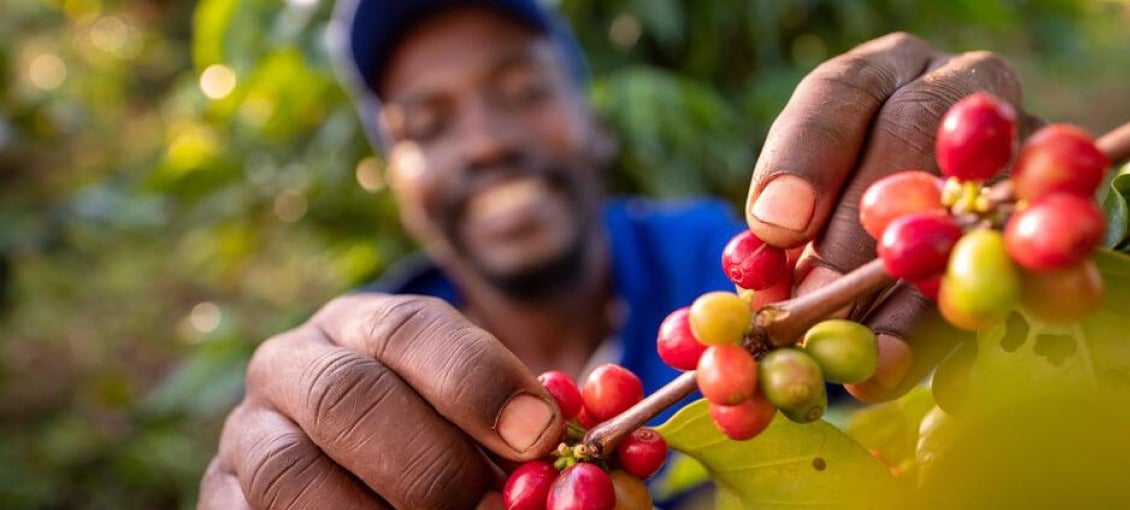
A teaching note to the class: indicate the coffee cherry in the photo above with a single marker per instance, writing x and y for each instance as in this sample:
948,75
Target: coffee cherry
1059,158
846,351
631,492
642,453
727,374
981,285
1055,231
918,245
719,318
898,195
610,390
676,343
528,486
582,487
564,391
752,264
1062,295
744,420
585,419
791,380
976,138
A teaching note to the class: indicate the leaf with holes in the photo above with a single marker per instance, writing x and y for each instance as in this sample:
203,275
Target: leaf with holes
1042,419
789,465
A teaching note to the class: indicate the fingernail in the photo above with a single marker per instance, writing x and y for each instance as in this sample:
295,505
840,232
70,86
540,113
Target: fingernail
491,501
523,420
895,358
786,202
817,278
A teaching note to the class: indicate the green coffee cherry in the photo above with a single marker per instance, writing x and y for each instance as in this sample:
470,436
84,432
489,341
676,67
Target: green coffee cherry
791,380
981,285
846,351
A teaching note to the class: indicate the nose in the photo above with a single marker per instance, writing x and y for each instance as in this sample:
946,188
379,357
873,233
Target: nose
488,134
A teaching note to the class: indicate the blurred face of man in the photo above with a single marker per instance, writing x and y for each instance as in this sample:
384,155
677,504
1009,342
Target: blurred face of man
492,157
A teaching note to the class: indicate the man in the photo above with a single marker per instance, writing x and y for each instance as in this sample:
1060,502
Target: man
392,399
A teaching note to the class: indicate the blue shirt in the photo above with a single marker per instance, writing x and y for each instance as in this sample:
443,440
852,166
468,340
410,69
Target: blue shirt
664,255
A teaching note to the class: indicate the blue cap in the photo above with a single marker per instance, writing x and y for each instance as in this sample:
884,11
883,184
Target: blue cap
374,26
364,32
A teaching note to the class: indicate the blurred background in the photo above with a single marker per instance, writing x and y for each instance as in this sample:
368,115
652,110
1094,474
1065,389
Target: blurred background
179,180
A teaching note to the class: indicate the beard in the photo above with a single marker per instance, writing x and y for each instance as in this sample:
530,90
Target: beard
541,281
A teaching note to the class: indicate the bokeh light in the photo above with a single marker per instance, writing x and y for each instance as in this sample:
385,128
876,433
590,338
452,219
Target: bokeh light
290,205
205,317
217,81
369,174
47,71
625,31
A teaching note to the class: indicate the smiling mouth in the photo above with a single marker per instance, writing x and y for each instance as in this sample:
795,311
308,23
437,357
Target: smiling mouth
509,207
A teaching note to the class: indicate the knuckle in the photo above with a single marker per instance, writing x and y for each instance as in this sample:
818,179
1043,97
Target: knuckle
262,364
434,479
403,320
276,465
338,384
337,305
900,38
988,60
463,375
912,116
885,44
855,73
997,75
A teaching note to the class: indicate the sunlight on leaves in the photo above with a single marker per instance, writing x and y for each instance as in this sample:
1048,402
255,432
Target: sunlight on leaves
789,465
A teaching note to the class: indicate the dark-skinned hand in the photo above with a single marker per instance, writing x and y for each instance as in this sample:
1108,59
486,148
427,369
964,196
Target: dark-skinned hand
397,401
379,401
861,116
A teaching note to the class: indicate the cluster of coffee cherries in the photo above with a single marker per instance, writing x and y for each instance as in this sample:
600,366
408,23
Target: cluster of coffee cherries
746,384
983,251
573,479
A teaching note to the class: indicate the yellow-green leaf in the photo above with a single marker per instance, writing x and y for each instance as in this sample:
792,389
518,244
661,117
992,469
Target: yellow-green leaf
1044,416
789,465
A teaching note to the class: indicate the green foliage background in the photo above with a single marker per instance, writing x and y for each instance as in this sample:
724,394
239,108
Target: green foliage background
150,237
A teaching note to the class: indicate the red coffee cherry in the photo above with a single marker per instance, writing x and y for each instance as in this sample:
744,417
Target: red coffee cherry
752,264
918,246
642,453
676,343
976,138
528,486
582,487
745,420
1056,231
564,391
727,374
898,195
1059,158
609,390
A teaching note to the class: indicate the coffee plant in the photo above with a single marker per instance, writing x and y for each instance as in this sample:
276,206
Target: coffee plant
1025,412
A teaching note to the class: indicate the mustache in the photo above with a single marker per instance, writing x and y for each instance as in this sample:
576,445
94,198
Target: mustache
479,176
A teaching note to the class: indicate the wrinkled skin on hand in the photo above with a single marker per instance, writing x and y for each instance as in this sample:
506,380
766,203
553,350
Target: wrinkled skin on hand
856,118
379,401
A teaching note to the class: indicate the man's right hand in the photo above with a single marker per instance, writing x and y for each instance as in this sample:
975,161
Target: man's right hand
379,401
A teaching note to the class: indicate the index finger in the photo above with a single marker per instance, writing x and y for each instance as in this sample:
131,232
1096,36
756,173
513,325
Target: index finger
813,146
465,373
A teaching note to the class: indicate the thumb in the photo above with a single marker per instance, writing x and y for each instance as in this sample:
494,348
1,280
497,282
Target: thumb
462,371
